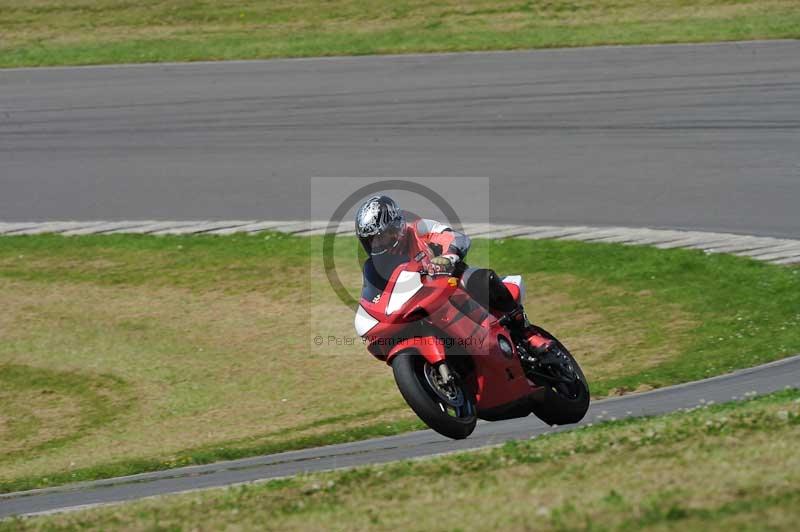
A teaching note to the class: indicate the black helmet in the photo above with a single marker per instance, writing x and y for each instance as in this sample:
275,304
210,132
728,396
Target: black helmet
380,224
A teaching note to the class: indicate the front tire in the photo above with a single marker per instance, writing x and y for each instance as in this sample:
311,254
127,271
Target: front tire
449,410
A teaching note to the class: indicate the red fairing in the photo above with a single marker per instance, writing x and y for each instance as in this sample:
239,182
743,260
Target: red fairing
430,347
499,378
537,340
514,289
435,317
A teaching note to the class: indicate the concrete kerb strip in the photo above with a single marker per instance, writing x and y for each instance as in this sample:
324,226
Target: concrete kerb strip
767,249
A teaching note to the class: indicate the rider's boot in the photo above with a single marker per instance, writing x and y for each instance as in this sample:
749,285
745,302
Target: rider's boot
512,315
516,320
522,331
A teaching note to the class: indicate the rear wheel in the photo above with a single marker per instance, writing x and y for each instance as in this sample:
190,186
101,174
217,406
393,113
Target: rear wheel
446,407
566,397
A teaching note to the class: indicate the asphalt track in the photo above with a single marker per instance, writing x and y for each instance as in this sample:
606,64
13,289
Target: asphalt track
738,385
696,137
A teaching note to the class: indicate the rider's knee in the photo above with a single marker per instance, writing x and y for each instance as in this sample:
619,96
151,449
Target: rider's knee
480,284
474,278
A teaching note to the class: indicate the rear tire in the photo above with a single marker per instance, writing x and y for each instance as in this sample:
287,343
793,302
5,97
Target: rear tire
563,404
438,413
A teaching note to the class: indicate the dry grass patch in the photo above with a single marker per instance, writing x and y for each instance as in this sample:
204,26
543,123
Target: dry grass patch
43,415
610,331
47,409
227,364
205,366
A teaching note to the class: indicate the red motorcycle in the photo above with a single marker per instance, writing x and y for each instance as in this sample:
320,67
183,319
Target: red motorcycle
455,362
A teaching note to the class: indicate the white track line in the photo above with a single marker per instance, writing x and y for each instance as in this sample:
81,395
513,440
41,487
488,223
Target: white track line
766,249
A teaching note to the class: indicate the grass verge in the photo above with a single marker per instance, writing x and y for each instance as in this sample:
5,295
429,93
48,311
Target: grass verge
54,32
730,466
130,353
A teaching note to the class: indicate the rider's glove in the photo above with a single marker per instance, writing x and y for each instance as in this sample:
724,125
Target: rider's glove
442,264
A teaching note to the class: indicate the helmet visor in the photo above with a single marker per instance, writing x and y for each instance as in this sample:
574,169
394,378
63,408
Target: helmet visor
385,240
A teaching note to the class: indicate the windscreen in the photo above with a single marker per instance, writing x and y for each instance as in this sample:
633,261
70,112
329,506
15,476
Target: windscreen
377,271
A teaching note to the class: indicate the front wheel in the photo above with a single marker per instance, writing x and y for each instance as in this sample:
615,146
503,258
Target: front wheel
446,407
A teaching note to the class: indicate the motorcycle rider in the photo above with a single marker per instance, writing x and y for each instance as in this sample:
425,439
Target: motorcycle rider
391,236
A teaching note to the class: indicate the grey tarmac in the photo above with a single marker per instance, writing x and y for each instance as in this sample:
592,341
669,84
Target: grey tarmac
686,137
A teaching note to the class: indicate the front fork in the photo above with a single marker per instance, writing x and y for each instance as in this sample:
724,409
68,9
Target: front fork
445,373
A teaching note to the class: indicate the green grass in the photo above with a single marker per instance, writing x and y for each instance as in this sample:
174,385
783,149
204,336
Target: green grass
59,32
124,354
731,466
